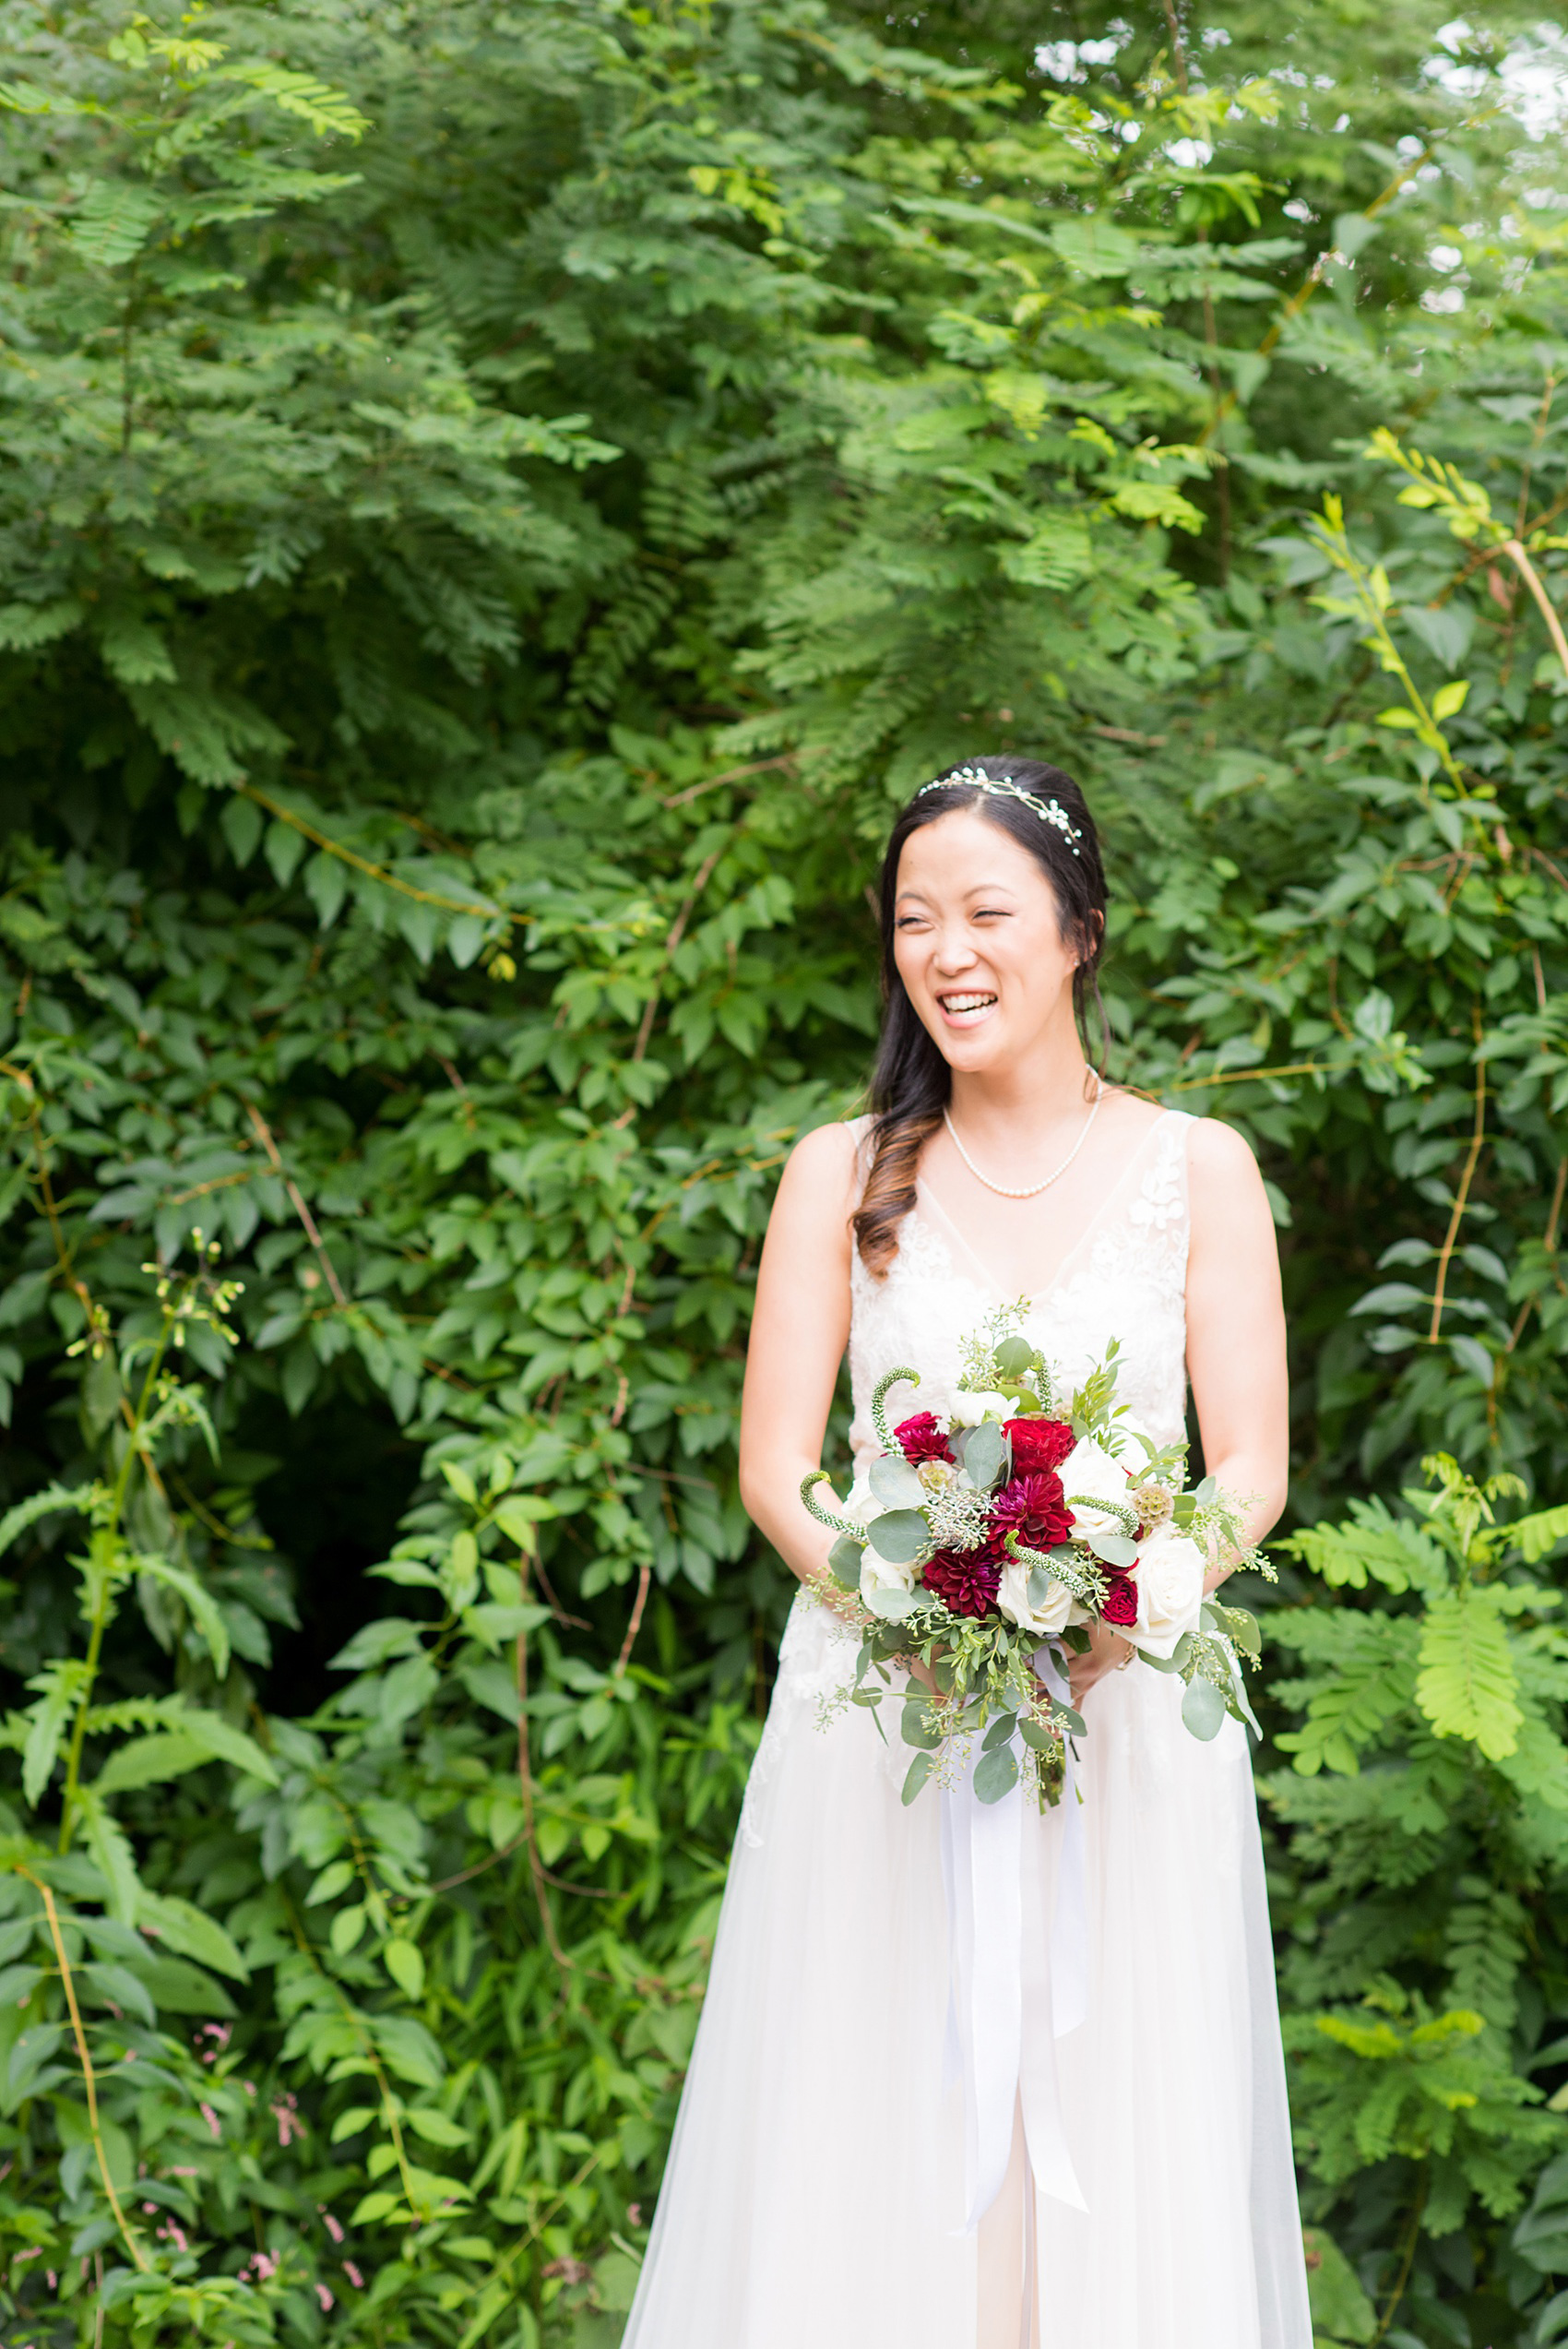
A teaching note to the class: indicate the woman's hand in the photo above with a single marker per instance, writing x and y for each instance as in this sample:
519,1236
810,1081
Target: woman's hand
1108,1652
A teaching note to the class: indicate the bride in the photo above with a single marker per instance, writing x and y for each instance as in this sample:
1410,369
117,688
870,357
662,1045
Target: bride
820,2186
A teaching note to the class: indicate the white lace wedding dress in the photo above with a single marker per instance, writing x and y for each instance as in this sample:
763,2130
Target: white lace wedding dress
815,2193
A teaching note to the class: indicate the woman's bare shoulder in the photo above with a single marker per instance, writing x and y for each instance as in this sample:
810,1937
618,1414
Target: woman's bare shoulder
823,1171
1131,1114
1222,1172
1221,1151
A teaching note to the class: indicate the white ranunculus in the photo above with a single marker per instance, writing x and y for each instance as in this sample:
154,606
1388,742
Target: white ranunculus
968,1410
1170,1591
1013,1598
1089,1470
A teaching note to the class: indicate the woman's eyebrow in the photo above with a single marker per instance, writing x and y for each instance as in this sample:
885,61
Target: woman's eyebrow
977,889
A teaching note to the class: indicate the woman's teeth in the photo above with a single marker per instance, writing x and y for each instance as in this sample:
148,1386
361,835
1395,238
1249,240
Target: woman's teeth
956,1005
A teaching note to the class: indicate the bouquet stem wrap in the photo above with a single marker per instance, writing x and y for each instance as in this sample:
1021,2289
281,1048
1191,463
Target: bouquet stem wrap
982,1865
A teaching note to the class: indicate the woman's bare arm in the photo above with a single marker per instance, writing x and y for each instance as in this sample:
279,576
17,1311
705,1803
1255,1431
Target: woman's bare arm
800,1329
1236,1329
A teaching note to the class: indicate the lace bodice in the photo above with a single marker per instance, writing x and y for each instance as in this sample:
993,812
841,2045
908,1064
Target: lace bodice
1125,1278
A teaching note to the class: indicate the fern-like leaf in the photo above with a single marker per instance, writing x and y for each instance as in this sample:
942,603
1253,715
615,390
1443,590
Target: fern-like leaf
1375,1546
1533,1536
1466,1686
112,222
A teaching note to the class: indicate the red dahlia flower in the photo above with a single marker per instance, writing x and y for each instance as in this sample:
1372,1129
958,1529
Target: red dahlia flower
923,1438
965,1580
1039,1445
1121,1599
1034,1509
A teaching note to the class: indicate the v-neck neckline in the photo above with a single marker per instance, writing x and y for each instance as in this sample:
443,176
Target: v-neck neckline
927,1203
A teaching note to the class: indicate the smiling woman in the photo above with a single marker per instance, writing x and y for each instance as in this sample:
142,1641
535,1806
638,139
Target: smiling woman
1149,2200
983,924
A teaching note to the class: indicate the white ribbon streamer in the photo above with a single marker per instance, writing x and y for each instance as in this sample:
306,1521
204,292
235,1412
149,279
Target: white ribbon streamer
992,1971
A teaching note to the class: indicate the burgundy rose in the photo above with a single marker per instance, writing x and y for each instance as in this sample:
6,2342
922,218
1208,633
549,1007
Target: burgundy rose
1034,1509
923,1438
1121,1600
1039,1445
965,1580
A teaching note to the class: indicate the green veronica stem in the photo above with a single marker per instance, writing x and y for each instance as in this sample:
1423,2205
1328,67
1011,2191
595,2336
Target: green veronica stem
1126,1515
884,1435
830,1517
1083,1582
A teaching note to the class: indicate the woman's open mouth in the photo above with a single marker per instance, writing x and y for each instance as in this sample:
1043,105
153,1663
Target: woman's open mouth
967,1009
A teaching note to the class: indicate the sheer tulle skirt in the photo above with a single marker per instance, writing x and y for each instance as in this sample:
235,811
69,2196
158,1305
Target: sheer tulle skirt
815,2184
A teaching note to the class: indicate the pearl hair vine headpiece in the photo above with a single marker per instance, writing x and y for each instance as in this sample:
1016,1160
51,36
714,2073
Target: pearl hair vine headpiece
1050,811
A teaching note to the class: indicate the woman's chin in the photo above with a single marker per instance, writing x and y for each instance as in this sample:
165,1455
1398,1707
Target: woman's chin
973,1051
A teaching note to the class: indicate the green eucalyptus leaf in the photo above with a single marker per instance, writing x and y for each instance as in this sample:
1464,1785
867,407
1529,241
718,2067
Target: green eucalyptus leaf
1203,1708
996,1773
901,1536
896,1485
985,1454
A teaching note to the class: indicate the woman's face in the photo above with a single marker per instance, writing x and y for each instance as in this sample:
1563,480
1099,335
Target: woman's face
978,942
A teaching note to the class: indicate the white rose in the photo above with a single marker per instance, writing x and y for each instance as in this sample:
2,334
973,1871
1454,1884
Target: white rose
968,1410
862,1504
863,1508
1089,1470
878,1573
1170,1591
1013,1598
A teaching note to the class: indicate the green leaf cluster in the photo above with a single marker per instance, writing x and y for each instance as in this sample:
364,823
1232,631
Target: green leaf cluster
495,507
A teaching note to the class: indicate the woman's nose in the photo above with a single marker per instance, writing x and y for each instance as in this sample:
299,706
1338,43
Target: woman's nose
954,951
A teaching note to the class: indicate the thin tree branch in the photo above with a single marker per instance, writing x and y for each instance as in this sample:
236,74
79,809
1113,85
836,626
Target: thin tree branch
1460,1202
89,2077
1531,576
297,1202
638,1604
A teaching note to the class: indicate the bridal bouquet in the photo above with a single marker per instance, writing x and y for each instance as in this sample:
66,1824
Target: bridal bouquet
976,1542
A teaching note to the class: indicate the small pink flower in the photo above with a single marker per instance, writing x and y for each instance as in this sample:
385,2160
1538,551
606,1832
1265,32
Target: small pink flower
149,2207
355,2278
286,2113
170,2232
210,2118
50,2278
184,2172
325,2297
36,2252
330,2224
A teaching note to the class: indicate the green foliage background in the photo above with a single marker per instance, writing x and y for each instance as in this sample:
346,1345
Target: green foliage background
496,503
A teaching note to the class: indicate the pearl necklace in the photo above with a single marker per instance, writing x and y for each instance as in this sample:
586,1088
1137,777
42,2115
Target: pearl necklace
1033,1190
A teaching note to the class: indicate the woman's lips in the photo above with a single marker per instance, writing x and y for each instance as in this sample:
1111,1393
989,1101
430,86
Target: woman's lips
967,1008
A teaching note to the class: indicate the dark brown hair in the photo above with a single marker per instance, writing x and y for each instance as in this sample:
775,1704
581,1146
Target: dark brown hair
910,1081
